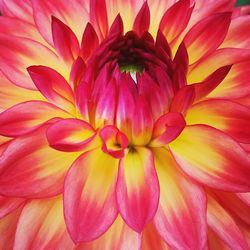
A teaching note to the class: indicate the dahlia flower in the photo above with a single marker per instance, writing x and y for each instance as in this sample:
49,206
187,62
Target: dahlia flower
124,125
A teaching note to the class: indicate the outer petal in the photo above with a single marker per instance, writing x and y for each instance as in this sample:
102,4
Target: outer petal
230,117
27,116
31,168
7,205
212,162
20,9
10,94
224,225
73,14
48,227
89,195
217,59
236,84
151,239
137,188
119,237
53,86
8,228
238,35
207,35
181,215
70,135
19,53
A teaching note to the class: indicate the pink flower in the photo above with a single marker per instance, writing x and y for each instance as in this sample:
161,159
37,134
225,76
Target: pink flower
125,125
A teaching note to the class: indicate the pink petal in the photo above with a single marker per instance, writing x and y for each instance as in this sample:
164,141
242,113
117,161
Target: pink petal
119,237
19,53
224,225
70,135
8,204
48,229
89,195
90,41
181,216
176,19
31,168
53,86
212,162
228,116
137,189
65,41
27,116
142,20
206,35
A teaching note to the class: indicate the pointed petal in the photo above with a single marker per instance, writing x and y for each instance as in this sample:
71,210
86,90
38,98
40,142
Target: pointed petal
70,135
7,205
206,36
236,84
181,216
19,53
98,16
212,162
137,188
176,19
224,225
8,229
65,41
31,168
230,117
183,99
53,86
27,116
89,195
142,20
119,236
214,61
89,42
202,89
48,226
75,15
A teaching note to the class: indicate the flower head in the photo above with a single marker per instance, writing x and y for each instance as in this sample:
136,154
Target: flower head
124,125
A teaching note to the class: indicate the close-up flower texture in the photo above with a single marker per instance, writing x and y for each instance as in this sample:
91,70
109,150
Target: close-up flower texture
124,125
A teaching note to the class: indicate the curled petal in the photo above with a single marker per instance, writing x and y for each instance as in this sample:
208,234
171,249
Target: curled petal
137,189
219,163
27,116
181,216
48,226
167,128
114,141
89,195
70,135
